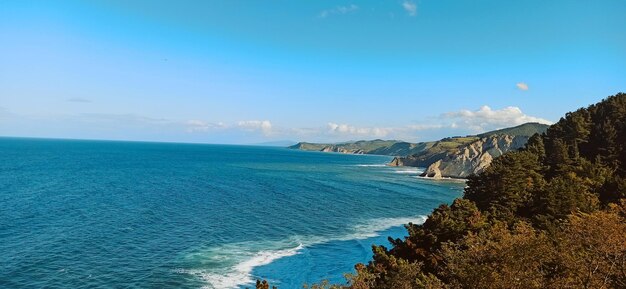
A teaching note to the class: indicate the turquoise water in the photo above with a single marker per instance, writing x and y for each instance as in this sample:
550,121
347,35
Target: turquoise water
97,214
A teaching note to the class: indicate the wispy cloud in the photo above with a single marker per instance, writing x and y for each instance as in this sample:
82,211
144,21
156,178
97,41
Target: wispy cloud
410,7
79,99
203,126
451,123
432,127
264,126
346,129
339,10
122,118
522,86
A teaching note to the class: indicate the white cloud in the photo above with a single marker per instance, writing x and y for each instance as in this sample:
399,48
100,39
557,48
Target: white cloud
345,129
457,122
339,10
420,127
265,126
431,127
486,118
410,7
202,126
522,86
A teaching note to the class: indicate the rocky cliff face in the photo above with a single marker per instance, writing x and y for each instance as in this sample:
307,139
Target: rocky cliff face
337,149
469,159
409,161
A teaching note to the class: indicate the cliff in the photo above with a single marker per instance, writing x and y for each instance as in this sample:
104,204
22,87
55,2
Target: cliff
460,157
455,157
375,147
473,158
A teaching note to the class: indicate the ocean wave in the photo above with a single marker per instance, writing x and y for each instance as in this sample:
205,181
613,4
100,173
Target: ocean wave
408,171
237,261
244,261
371,165
374,227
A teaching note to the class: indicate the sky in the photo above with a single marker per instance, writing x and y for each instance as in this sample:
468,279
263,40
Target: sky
243,72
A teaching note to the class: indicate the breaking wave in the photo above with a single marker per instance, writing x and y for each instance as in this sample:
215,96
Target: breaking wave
231,266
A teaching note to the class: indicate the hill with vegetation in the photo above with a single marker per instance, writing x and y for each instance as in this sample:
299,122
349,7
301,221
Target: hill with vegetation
528,129
461,157
550,215
401,148
357,147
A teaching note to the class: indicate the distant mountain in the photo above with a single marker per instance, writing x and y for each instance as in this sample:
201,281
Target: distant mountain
358,147
457,157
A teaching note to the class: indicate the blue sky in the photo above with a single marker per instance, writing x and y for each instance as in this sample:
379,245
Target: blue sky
256,71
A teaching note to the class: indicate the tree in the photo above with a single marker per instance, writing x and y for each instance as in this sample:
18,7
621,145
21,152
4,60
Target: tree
499,258
592,250
562,196
505,189
552,215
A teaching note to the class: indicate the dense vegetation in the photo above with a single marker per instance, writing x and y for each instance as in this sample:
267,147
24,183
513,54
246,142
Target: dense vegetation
552,215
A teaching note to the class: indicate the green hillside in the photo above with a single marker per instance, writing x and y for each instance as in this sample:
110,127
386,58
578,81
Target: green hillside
424,150
527,129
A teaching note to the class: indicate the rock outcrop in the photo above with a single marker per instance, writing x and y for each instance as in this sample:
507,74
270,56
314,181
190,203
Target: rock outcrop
343,150
473,158
404,162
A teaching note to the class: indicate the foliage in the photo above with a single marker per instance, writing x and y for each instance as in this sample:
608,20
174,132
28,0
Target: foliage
527,129
498,258
552,215
591,250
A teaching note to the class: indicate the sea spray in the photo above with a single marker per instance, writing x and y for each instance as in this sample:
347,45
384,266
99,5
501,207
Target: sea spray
242,258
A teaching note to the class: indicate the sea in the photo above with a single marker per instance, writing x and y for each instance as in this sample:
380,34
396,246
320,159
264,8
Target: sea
112,214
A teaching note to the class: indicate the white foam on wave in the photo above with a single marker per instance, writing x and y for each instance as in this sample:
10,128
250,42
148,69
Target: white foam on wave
373,228
244,259
408,171
240,259
372,165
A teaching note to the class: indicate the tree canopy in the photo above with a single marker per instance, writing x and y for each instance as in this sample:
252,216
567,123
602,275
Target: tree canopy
551,215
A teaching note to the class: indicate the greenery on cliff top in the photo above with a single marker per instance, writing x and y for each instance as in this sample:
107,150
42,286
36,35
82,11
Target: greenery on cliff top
363,145
527,129
400,148
552,215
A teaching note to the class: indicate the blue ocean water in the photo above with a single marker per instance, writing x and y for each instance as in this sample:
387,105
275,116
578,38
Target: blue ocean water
98,214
